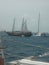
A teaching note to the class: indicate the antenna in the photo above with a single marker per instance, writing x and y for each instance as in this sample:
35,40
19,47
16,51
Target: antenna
13,25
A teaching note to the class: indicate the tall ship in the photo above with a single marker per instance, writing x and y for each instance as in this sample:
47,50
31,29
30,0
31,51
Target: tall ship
24,31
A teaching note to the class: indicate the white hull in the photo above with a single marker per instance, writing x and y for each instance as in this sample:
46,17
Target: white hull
38,34
27,62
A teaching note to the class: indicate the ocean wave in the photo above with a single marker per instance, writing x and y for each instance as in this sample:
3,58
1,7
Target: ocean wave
45,54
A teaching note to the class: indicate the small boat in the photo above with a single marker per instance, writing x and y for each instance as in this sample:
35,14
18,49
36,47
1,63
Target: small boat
45,35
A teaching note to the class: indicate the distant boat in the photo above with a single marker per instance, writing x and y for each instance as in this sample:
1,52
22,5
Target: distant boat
44,34
24,31
38,32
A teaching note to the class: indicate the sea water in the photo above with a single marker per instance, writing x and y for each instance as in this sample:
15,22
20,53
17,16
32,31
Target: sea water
21,47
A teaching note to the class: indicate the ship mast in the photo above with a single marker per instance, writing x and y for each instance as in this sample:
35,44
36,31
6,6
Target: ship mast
24,26
22,29
13,25
26,30
38,22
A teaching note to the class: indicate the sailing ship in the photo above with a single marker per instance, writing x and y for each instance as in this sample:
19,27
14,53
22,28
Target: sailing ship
38,31
44,34
24,31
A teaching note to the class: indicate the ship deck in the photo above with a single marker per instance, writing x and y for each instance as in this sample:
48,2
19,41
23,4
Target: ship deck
27,62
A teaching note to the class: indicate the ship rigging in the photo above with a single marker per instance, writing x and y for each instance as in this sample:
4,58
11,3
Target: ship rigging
24,30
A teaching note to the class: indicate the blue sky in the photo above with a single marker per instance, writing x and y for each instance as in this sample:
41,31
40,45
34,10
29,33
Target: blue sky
29,9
